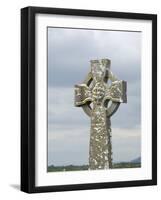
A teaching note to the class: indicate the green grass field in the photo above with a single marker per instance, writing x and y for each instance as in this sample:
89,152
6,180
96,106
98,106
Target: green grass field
85,167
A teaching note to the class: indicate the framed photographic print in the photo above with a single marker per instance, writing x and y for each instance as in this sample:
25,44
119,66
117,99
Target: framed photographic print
88,99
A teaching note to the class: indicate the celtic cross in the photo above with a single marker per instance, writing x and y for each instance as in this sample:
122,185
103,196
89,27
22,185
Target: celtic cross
100,101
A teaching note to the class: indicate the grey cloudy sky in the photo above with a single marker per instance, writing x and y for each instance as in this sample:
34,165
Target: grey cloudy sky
69,55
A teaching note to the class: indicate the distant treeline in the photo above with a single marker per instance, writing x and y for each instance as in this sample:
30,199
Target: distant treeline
53,168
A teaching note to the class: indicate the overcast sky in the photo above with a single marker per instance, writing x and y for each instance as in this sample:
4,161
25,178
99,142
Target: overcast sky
69,55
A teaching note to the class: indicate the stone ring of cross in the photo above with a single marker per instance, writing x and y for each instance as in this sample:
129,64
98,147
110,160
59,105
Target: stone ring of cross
95,89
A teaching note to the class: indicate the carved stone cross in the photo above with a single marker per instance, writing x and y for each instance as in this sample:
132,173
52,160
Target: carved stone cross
100,101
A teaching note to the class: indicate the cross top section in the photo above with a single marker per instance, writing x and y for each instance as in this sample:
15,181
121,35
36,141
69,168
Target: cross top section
95,89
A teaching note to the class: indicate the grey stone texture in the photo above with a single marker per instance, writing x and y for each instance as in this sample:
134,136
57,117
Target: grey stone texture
100,101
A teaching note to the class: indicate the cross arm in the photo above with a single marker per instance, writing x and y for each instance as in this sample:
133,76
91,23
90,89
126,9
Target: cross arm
82,94
117,92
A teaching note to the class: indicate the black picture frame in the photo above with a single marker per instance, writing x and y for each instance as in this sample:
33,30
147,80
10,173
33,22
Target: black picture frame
28,98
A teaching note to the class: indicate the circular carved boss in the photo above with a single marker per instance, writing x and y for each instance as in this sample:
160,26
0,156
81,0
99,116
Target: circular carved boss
109,110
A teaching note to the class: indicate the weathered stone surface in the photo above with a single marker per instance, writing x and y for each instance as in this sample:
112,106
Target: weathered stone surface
95,90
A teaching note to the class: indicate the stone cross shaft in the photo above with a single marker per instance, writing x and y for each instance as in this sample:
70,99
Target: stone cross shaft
100,101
